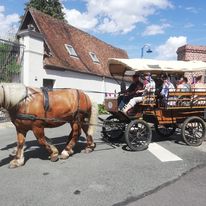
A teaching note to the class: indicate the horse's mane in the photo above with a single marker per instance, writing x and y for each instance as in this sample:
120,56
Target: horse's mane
13,94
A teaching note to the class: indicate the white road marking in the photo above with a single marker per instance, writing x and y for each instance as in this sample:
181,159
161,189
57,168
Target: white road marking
162,154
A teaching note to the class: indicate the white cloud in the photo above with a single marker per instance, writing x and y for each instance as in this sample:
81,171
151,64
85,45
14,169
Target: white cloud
168,50
114,16
73,16
189,25
155,29
192,10
8,23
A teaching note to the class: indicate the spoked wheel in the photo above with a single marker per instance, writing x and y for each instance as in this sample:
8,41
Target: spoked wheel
165,130
138,135
193,131
112,128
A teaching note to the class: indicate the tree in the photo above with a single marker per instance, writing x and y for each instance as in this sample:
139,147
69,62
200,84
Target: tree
51,7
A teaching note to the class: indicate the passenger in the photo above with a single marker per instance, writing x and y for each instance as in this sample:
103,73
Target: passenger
199,86
148,87
183,85
167,86
159,83
131,92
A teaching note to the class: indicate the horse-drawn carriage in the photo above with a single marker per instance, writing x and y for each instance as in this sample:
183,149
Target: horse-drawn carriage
35,109
185,110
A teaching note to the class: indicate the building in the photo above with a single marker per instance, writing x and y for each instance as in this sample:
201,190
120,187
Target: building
192,53
59,55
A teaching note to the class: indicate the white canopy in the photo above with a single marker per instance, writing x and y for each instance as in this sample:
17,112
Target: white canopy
130,66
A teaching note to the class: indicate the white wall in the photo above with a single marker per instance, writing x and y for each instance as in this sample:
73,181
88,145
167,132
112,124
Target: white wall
33,72
33,57
96,87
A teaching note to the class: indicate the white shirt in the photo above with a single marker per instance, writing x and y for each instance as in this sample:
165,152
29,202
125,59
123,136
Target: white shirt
167,86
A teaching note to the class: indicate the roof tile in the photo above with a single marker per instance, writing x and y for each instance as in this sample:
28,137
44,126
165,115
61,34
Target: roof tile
57,33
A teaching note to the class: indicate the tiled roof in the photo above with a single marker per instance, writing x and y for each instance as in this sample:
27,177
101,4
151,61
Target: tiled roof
57,33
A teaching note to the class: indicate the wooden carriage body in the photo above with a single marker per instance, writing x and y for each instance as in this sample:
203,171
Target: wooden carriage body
175,109
187,110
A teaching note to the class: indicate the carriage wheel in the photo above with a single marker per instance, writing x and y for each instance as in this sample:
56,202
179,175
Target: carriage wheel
165,130
138,135
193,131
112,128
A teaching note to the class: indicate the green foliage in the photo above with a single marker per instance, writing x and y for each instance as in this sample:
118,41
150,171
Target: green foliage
51,7
101,109
8,62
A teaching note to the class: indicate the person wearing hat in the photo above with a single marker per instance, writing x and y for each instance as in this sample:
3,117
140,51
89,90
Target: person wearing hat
148,87
131,92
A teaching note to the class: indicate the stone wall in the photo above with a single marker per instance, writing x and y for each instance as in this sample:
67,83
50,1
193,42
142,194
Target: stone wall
189,53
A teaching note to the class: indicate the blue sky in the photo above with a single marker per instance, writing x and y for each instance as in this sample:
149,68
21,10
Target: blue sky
162,25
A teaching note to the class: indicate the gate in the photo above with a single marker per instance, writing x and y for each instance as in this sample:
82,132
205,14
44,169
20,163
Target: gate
11,58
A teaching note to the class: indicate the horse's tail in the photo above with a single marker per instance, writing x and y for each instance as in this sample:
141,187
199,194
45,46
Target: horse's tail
93,118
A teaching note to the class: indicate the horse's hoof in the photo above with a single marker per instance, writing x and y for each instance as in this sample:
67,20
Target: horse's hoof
54,158
64,155
11,166
88,150
16,163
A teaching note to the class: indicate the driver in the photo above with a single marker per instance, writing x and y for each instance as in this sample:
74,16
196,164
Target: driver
131,92
148,87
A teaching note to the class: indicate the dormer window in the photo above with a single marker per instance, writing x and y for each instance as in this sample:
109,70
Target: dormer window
94,57
71,50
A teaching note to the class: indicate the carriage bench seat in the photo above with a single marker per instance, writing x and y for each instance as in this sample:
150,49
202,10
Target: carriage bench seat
149,101
193,99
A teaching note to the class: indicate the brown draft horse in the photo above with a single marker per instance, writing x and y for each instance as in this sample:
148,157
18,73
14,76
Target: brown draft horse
27,112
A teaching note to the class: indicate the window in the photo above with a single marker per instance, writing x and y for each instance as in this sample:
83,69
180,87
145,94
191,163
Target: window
71,50
94,57
49,83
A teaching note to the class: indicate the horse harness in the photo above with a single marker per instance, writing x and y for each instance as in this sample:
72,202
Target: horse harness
76,115
46,98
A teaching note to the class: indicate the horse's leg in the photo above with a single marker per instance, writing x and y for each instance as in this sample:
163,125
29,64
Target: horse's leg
39,133
75,133
89,127
19,157
90,143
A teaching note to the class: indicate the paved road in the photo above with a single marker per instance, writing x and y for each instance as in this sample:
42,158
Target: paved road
187,190
107,176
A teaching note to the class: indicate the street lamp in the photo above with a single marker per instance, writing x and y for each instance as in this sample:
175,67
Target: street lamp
148,49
